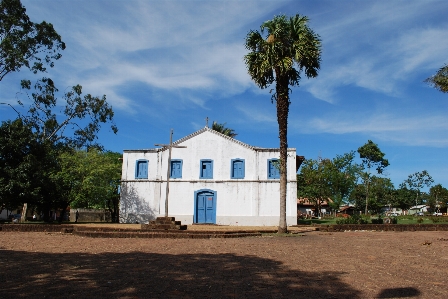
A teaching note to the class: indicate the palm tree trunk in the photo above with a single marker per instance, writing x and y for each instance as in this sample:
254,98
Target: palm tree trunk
282,119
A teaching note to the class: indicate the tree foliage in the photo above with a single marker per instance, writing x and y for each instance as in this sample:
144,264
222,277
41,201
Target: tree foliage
221,128
89,179
288,48
80,121
25,164
313,182
328,180
35,147
438,197
25,43
440,80
372,157
417,181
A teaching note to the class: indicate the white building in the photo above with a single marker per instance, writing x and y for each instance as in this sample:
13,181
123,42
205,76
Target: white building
215,179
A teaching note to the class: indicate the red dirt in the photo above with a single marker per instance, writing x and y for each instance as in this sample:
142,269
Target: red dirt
311,265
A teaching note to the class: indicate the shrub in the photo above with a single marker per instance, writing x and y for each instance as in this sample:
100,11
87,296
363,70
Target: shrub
419,220
436,219
354,219
378,220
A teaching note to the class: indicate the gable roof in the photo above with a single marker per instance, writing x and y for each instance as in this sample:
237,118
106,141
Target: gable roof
207,129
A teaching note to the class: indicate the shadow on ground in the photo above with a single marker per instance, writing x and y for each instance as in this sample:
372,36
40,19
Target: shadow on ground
399,293
148,275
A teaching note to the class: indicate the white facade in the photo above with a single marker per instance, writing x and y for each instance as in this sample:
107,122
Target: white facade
222,181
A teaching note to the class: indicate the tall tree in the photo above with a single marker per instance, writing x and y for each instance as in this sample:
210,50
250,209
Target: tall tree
80,122
371,156
40,136
344,173
88,179
288,47
403,197
24,43
438,197
313,182
440,79
221,128
324,179
417,181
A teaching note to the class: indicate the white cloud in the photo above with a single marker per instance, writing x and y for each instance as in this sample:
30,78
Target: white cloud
254,115
378,46
411,130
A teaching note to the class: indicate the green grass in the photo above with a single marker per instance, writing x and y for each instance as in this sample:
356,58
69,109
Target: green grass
401,220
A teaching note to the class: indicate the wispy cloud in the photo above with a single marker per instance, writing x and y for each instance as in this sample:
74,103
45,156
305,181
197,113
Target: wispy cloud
378,46
417,131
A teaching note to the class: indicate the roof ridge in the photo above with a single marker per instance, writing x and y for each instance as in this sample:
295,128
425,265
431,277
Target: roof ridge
207,129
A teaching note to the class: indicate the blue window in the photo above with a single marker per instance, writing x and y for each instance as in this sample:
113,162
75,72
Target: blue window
237,169
141,169
206,171
176,169
273,169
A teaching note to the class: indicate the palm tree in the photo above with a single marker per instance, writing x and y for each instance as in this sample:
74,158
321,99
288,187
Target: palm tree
290,46
440,79
221,128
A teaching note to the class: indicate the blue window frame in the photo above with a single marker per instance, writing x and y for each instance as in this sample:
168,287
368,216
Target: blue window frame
141,169
176,169
273,169
237,168
206,169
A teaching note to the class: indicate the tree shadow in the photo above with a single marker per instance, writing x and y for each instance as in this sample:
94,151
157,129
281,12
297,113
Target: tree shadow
151,275
399,293
134,209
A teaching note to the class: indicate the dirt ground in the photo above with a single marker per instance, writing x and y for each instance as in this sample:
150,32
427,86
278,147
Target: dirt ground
305,265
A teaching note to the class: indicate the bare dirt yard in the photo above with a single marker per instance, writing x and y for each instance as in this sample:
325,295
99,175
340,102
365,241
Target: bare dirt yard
305,265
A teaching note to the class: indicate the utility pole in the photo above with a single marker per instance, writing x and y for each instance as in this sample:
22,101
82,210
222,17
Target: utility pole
168,173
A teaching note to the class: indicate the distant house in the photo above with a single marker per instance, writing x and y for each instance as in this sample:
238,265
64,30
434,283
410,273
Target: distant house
308,208
349,210
419,208
215,179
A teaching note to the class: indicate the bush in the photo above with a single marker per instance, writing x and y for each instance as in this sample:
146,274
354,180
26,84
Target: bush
354,219
419,220
378,220
436,219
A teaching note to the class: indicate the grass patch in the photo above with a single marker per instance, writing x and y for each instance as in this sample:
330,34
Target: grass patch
407,219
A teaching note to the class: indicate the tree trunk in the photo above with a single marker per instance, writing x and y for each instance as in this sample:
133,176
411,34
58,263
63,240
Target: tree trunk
63,212
282,119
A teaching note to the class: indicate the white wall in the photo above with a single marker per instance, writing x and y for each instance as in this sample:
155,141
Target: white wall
253,200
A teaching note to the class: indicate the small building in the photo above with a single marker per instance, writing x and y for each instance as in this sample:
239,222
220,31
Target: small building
308,208
215,179
347,210
416,209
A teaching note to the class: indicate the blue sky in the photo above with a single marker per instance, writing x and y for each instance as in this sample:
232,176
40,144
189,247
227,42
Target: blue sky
171,64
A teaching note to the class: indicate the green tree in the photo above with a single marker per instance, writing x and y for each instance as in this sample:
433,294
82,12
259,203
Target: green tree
343,175
381,193
221,128
289,47
417,181
48,135
440,79
25,164
371,156
328,180
403,197
438,197
24,43
89,179
313,182
84,113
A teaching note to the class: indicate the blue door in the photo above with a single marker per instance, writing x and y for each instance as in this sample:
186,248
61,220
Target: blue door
205,207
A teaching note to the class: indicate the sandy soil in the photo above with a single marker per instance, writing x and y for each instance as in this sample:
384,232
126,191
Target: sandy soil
306,265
